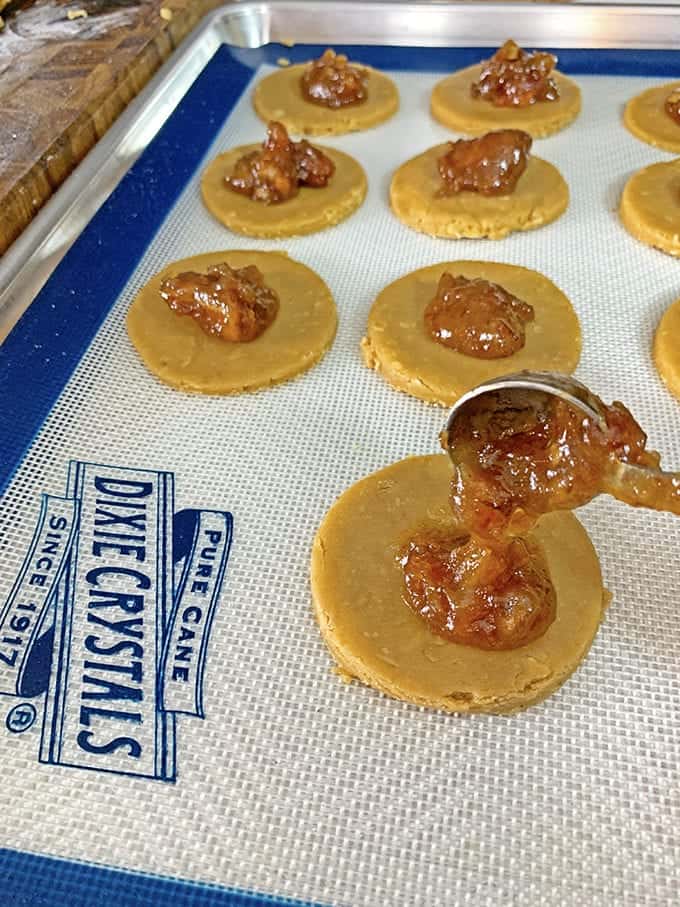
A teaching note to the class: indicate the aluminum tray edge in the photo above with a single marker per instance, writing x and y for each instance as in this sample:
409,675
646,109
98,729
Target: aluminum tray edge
28,263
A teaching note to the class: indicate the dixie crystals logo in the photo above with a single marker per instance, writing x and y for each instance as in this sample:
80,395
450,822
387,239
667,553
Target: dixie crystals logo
110,618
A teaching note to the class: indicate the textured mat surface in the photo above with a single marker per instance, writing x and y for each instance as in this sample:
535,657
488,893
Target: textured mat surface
296,783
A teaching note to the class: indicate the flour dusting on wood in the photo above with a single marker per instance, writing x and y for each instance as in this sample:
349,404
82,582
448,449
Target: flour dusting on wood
45,23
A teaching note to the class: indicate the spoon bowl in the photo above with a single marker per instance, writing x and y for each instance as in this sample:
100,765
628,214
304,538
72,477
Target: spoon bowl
564,386
640,486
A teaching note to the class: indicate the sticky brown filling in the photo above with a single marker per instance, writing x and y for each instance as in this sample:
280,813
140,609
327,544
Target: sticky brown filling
232,304
489,165
518,455
672,105
477,318
275,173
516,78
332,81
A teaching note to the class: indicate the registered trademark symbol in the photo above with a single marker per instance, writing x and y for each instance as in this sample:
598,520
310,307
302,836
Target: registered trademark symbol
21,717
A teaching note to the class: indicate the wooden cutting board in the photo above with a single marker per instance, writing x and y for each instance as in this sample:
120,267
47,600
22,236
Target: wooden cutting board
63,81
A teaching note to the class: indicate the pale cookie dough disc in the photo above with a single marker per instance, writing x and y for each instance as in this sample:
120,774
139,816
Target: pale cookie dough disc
373,635
398,345
453,105
667,348
539,197
176,350
650,206
308,211
646,118
279,97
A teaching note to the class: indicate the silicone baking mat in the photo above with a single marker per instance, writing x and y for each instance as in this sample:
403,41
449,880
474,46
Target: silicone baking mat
200,734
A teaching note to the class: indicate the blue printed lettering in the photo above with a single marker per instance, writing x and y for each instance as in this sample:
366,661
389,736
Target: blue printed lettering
138,551
123,488
110,690
134,669
136,521
119,639
8,658
124,627
92,576
87,712
57,523
11,647
101,678
131,602
19,624
52,541
134,648
84,739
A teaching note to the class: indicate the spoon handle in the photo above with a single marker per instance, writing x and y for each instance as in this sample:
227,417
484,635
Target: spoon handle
642,487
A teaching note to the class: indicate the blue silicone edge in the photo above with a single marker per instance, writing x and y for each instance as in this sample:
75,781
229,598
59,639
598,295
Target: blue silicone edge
602,61
45,347
42,351
29,880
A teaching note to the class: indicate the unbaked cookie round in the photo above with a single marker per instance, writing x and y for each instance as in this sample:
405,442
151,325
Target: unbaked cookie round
398,346
176,350
308,211
667,348
650,206
540,196
453,105
279,97
357,588
645,117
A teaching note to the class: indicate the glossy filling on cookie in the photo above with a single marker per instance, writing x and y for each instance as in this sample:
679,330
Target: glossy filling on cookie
332,81
232,304
653,116
477,318
232,321
490,165
327,96
672,105
275,173
517,455
437,340
516,78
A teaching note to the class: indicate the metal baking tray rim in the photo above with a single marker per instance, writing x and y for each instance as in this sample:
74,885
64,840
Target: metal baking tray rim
30,260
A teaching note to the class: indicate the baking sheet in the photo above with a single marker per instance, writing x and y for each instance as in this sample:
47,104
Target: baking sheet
296,784
34,255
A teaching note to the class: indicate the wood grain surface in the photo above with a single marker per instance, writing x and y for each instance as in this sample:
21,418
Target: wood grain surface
63,81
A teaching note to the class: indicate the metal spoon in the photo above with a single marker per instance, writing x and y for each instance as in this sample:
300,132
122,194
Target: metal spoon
563,386
636,485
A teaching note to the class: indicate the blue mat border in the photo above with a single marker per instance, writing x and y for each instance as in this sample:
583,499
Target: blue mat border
45,347
573,61
31,880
